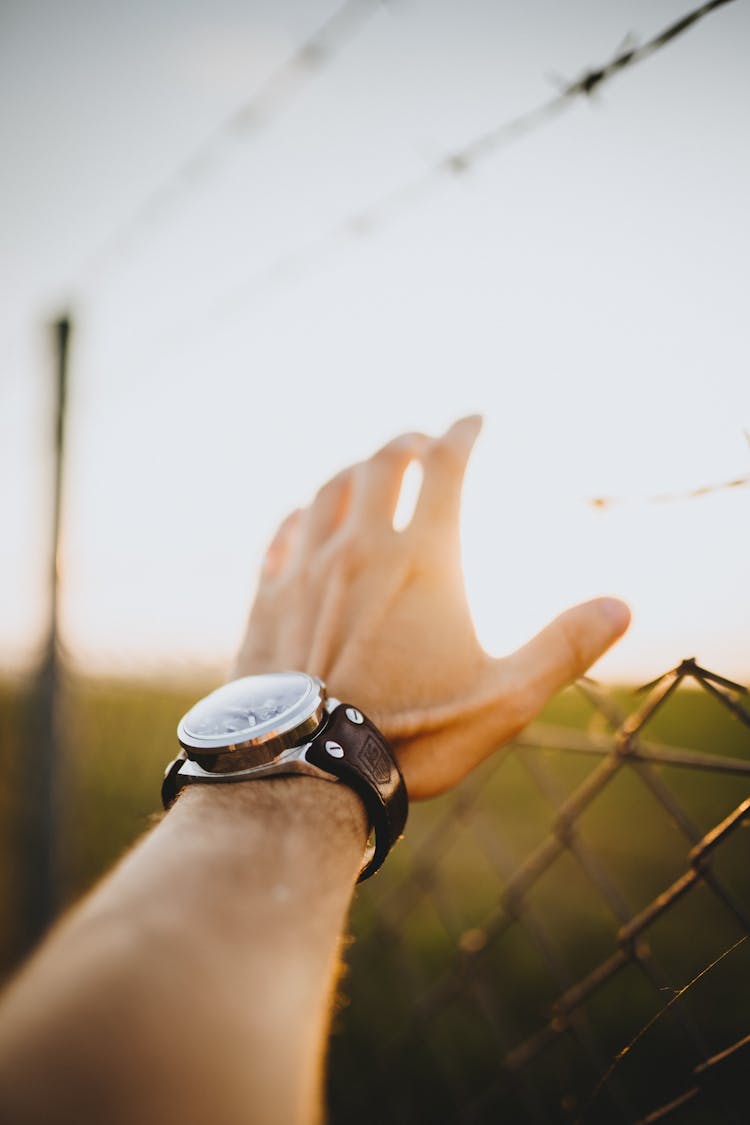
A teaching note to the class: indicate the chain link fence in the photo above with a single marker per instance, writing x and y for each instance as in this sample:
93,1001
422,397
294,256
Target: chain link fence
565,938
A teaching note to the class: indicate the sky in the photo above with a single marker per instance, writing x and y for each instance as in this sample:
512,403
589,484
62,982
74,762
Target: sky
236,343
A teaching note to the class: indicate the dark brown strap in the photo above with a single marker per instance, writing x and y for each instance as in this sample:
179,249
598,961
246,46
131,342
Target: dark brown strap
352,748
170,786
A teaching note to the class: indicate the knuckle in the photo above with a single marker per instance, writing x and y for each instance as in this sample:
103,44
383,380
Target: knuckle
572,645
390,457
324,499
333,487
347,552
286,527
445,458
400,450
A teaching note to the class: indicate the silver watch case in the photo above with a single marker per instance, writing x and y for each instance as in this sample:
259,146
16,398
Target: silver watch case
256,726
269,746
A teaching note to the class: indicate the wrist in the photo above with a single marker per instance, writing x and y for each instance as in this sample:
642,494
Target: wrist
285,724
275,825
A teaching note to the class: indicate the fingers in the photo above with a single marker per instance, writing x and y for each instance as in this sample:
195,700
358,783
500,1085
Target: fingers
444,465
327,511
362,496
377,482
563,651
365,496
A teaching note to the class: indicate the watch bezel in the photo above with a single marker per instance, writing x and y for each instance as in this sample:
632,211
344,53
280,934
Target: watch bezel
295,726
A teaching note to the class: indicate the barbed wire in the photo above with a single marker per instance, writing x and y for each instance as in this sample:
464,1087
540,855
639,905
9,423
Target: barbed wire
603,502
292,265
678,995
456,163
309,60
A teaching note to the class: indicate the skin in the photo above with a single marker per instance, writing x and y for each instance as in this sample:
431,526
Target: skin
194,983
381,615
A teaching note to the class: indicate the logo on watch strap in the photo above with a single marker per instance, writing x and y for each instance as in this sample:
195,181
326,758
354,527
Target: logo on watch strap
374,760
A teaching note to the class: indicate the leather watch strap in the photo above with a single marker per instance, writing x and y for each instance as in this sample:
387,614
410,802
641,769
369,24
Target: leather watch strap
352,748
348,747
170,786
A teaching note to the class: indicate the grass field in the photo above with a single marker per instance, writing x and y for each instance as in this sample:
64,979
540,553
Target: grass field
425,918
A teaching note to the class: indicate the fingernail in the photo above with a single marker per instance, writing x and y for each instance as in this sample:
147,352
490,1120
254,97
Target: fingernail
617,612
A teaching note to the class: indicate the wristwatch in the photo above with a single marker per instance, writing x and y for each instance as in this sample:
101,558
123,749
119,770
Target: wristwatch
285,723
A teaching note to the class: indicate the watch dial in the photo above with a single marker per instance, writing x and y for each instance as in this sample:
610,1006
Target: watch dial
249,708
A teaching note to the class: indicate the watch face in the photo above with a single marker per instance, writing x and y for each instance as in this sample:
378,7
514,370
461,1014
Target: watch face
251,710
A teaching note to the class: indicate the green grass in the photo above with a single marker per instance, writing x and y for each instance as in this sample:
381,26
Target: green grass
410,934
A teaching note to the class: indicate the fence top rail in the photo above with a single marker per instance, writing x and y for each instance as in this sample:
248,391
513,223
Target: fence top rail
545,736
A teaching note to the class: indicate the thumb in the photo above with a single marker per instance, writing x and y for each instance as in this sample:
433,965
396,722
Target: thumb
564,649
442,743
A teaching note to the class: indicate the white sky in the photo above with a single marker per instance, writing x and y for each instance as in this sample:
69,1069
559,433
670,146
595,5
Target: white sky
586,289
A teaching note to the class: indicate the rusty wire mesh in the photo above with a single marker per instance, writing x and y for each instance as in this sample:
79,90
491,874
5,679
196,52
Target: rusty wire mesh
516,961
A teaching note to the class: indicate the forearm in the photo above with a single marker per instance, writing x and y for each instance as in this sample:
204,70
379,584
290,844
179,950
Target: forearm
193,986
194,983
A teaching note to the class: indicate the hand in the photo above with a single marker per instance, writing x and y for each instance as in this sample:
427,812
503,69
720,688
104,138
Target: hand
381,616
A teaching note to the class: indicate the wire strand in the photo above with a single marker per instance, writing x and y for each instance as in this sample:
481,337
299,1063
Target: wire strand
375,213
285,82
654,1019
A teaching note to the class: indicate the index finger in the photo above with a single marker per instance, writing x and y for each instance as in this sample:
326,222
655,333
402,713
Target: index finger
444,466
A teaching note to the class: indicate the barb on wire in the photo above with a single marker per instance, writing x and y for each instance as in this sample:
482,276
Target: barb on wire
288,79
593,79
367,218
602,502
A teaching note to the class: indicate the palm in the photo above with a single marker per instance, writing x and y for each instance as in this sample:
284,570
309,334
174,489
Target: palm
382,616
